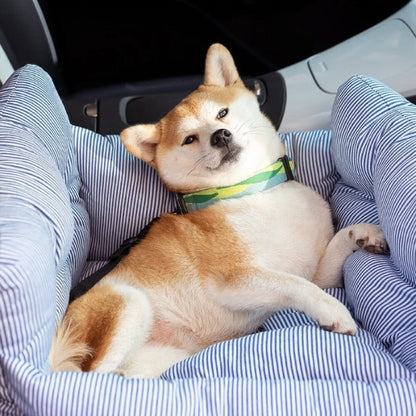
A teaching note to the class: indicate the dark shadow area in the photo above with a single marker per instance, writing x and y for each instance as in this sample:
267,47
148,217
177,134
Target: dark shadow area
101,43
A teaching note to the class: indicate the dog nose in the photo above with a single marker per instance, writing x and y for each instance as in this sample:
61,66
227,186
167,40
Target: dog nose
221,138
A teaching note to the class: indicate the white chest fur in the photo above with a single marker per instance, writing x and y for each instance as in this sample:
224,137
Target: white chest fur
286,228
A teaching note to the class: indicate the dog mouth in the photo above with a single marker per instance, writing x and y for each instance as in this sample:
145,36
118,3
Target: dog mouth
232,155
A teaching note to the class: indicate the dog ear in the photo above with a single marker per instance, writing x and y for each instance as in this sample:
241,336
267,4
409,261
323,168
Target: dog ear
220,69
141,141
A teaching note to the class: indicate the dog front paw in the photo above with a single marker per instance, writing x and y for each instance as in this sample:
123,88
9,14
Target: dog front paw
335,317
369,237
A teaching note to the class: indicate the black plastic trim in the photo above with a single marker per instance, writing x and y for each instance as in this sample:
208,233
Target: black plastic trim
275,103
22,27
150,101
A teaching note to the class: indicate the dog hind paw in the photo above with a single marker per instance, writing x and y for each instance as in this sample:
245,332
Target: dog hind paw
369,237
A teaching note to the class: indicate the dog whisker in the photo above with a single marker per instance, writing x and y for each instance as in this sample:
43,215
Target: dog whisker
197,164
249,127
243,126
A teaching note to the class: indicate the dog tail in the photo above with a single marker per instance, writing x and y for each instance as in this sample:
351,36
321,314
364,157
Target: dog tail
67,351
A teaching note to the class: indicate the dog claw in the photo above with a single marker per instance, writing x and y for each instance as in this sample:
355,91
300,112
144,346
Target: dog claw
376,248
338,329
329,328
370,238
336,318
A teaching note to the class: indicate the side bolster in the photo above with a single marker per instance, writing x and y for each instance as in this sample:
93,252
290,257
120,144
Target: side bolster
67,352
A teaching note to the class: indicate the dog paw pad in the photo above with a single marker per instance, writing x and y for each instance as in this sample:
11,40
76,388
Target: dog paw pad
369,237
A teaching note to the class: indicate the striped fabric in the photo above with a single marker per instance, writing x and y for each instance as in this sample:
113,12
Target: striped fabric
374,149
53,174
109,173
312,157
44,227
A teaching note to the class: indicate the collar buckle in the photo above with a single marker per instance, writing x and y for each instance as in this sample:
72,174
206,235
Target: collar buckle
288,169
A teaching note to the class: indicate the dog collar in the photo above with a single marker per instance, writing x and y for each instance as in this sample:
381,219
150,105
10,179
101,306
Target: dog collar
281,171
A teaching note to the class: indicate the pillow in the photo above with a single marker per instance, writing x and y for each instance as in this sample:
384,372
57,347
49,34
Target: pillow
39,165
122,194
44,235
310,151
374,150
44,226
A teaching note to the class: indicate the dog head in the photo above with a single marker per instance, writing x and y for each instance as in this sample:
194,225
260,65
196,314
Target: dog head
216,136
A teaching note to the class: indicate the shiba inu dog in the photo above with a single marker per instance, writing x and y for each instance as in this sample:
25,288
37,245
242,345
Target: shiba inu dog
258,241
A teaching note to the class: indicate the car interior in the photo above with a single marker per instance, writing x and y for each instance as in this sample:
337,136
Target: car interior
291,54
338,81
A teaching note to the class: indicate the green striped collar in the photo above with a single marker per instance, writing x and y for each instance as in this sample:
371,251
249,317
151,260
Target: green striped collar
280,171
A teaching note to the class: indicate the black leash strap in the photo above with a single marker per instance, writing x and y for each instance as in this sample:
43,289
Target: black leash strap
84,285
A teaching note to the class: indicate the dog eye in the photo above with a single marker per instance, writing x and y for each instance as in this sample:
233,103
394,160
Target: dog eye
189,139
222,113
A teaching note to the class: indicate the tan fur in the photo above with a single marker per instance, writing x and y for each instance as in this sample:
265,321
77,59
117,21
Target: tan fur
90,333
216,273
195,239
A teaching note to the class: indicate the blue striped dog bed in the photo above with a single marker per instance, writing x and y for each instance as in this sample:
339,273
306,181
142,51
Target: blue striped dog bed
69,197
